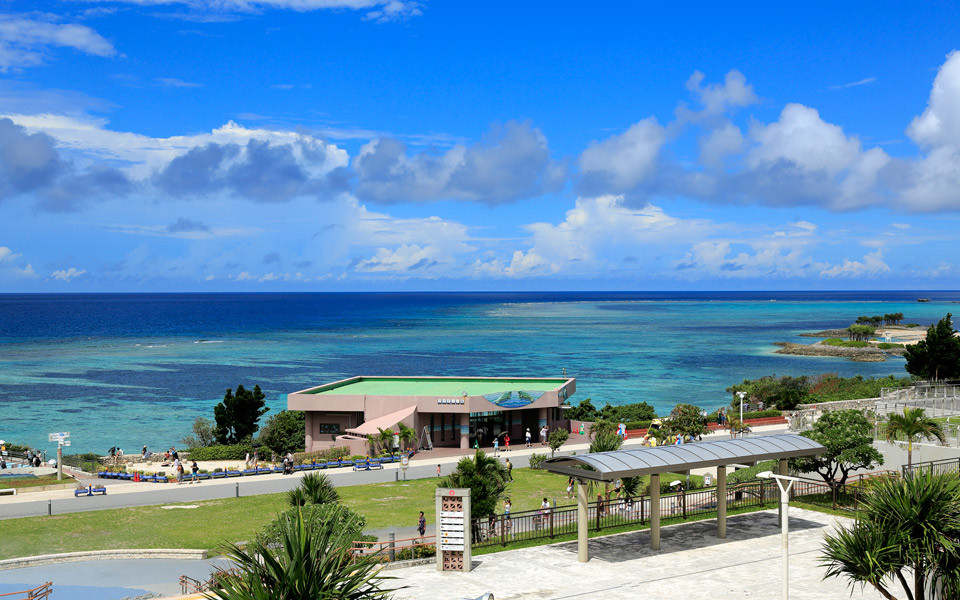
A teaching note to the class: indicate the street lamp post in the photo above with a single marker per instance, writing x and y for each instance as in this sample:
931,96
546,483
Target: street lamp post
784,482
742,396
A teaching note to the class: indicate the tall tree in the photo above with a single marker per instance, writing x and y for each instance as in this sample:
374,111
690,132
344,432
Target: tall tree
556,439
913,424
238,414
284,432
937,356
846,434
907,528
686,419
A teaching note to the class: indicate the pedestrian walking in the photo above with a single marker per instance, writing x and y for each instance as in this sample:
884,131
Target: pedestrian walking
422,524
496,446
528,437
179,466
509,470
438,471
194,471
570,487
507,523
506,443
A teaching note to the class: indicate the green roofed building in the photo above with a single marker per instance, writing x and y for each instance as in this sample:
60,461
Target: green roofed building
449,411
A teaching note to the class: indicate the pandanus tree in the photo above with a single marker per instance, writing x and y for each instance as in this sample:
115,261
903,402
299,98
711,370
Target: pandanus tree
308,558
913,425
907,533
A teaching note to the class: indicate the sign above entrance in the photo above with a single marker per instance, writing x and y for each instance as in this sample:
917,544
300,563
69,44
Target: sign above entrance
517,399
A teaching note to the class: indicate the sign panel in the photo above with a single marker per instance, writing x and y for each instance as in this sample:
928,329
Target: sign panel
452,547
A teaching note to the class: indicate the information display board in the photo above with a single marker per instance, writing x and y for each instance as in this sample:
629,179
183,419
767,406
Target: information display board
453,530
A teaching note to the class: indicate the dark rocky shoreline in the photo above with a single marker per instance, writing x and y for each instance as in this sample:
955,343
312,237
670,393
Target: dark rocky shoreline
866,354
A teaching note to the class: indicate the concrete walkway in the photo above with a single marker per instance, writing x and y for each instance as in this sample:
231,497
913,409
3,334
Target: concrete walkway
693,563
146,494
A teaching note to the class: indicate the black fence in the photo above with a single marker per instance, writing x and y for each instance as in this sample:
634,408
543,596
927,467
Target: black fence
503,530
934,467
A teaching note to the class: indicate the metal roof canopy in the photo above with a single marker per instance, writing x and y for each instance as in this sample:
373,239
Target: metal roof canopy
608,466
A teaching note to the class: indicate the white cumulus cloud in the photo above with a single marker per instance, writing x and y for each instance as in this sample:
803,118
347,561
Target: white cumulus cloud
24,42
872,264
67,274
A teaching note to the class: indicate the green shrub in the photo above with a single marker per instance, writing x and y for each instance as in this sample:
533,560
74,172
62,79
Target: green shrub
322,456
418,551
845,343
536,460
888,345
223,452
284,432
750,473
315,517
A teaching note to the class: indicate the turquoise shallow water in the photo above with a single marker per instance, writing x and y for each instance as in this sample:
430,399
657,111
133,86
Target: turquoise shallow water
134,370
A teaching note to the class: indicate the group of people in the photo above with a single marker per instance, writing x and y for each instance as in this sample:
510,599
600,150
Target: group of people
33,458
179,468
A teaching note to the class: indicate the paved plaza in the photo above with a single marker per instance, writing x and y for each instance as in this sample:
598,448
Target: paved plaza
693,563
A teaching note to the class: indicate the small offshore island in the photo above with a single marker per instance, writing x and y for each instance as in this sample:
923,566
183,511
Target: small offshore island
870,339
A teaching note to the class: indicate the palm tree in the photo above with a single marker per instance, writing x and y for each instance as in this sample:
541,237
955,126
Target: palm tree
913,425
485,476
310,559
907,528
315,488
386,439
407,435
605,440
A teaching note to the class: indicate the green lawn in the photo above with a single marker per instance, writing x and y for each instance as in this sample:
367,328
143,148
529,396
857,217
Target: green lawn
214,522
398,504
7,483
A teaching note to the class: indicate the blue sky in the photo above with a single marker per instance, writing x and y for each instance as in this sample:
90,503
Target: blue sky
239,145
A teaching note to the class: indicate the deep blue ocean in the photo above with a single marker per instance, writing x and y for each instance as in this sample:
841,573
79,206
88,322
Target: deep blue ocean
134,369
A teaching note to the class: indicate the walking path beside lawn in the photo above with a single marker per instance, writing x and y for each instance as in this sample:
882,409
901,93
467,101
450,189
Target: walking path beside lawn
423,465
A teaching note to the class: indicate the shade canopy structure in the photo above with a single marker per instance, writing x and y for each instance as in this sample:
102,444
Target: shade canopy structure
385,422
609,466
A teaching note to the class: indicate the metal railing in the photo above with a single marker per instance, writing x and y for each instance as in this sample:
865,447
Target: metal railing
189,585
933,467
42,592
504,530
390,550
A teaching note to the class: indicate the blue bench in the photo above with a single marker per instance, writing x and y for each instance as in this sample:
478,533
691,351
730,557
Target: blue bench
367,465
89,491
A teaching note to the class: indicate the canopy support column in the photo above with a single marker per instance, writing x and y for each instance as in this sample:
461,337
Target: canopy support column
655,511
583,520
722,502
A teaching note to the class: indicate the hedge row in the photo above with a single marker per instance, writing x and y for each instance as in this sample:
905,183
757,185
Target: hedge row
712,417
225,452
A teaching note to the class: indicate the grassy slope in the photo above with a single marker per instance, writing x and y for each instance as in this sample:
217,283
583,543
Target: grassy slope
25,482
236,519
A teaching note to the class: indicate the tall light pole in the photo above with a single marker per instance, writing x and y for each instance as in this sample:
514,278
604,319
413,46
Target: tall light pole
784,482
742,396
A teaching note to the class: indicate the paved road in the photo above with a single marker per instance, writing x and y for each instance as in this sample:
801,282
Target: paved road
123,495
